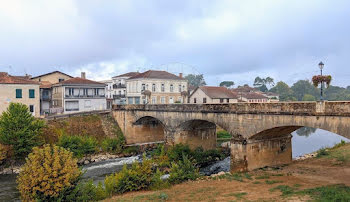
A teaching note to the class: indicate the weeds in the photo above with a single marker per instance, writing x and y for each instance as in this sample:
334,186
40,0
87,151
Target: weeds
322,152
285,189
272,181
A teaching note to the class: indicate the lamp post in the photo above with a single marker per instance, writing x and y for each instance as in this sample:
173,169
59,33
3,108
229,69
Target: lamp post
320,65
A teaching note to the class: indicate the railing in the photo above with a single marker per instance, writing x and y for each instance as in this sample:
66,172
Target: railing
118,96
326,108
84,96
115,86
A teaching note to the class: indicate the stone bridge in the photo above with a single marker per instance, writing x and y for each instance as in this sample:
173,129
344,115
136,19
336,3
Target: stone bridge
261,131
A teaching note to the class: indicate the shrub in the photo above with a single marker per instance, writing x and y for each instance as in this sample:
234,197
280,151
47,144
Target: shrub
5,152
131,150
138,177
20,130
79,145
322,152
114,145
182,171
205,158
177,152
223,134
86,191
47,173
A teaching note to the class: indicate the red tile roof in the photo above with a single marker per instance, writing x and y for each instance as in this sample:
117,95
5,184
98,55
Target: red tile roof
5,78
80,81
45,84
129,74
154,74
253,95
217,92
52,73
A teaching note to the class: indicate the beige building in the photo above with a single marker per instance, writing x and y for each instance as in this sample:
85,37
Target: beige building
212,95
119,87
156,87
78,95
19,89
46,81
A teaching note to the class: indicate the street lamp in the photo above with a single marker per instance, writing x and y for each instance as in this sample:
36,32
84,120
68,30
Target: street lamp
321,65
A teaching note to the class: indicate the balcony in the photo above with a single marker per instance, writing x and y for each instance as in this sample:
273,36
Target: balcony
84,96
45,98
115,86
118,96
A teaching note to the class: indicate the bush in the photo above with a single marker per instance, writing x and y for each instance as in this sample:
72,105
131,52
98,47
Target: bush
131,150
47,173
322,152
87,191
182,171
79,145
113,145
20,130
177,152
205,158
5,152
138,177
223,134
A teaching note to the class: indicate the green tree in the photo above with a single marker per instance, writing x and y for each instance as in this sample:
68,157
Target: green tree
263,88
285,92
20,130
308,97
302,87
263,82
196,80
227,84
258,82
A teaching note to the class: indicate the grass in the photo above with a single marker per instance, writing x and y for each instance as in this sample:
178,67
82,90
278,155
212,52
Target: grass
338,192
340,152
223,135
273,181
285,189
265,176
322,152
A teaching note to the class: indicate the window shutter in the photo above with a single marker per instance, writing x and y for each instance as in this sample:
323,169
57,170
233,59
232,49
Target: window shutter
31,93
18,93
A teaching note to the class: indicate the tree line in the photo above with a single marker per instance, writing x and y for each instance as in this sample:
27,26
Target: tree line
302,90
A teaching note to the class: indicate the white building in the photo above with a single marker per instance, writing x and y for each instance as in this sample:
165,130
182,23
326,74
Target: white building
78,95
119,87
212,95
156,87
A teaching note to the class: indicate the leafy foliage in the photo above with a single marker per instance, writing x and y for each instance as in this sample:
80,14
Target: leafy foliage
223,134
87,191
196,80
47,173
20,130
79,145
183,170
114,145
286,93
308,97
227,84
330,193
5,152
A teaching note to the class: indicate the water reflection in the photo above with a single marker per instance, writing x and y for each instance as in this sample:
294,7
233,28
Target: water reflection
307,140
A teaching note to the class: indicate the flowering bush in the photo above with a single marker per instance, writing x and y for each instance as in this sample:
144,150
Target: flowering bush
47,173
316,80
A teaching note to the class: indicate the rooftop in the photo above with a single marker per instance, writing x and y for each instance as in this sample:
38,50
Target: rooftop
129,74
81,81
155,74
5,78
217,92
51,73
253,95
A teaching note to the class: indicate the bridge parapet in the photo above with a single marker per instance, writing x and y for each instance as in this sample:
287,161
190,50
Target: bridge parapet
324,108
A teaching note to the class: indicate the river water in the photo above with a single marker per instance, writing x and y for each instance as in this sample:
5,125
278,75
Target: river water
304,141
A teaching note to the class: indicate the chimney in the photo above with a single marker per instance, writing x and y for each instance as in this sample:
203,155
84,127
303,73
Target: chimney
83,75
180,75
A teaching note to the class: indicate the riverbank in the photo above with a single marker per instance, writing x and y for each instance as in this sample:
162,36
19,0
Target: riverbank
294,182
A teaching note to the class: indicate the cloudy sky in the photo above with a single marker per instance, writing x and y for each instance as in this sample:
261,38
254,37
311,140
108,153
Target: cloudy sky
224,39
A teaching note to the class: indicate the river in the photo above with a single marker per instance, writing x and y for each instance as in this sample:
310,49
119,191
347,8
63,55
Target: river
304,141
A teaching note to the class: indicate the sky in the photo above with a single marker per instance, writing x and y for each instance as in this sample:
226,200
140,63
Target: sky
224,39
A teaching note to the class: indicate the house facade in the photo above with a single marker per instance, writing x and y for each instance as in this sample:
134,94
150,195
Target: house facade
156,87
119,87
46,81
19,90
212,95
79,95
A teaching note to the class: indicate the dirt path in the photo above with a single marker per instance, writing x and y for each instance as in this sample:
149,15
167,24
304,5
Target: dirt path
298,175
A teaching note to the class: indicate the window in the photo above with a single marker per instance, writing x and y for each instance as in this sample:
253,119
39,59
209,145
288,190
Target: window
228,100
163,87
31,93
179,99
180,88
171,100
137,100
31,108
87,104
153,87
194,100
221,100
72,105
162,100
60,80
205,100
154,100
130,100
143,87
18,93
171,88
